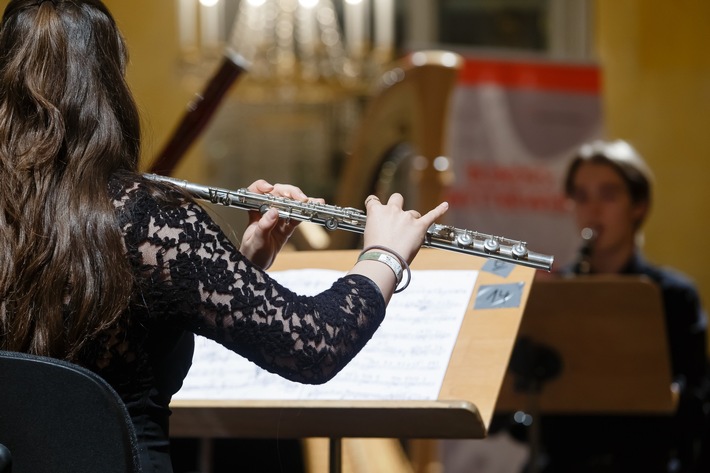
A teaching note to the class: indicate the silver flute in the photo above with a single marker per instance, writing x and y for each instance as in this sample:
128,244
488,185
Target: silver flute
332,217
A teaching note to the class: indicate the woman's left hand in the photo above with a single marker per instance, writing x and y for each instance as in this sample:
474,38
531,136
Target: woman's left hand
266,234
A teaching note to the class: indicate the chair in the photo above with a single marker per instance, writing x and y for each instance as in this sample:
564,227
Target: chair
56,417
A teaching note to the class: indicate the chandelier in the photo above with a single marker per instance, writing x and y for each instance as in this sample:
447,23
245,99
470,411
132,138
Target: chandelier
291,43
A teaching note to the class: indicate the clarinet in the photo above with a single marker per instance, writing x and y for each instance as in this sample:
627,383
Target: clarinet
584,265
332,217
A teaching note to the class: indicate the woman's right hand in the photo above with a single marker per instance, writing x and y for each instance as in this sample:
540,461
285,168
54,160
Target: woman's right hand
402,231
391,226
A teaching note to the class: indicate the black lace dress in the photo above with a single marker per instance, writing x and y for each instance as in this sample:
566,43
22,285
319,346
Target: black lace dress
190,279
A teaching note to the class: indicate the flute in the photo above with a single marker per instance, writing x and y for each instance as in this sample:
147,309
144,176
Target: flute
333,217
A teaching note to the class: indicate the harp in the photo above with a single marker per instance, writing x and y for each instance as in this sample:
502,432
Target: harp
401,134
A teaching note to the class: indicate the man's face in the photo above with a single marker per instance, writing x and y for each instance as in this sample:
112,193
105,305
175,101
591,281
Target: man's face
603,203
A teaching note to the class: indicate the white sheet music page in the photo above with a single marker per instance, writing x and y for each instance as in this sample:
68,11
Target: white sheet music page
406,359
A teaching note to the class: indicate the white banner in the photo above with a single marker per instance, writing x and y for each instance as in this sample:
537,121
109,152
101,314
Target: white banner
514,126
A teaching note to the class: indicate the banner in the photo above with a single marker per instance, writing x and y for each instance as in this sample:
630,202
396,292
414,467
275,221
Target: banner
513,128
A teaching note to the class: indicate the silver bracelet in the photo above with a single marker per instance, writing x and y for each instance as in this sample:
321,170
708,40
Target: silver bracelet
402,263
389,260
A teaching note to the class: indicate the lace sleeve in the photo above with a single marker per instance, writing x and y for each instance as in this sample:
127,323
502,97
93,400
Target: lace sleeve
190,274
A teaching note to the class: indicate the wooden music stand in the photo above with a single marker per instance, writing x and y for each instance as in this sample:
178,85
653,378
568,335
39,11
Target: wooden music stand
609,333
463,409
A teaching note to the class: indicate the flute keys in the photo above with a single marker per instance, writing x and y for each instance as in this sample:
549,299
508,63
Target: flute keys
491,245
519,250
464,240
331,224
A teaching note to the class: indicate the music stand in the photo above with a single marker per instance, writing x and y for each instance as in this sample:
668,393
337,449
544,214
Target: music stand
589,345
463,409
609,332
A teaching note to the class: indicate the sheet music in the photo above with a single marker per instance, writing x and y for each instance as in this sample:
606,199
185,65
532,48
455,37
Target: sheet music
406,359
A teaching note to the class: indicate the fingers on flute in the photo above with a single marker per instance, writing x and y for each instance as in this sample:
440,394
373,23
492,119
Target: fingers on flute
370,199
290,192
261,186
434,214
396,199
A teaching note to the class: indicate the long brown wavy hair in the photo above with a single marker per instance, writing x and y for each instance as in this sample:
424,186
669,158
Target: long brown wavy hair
68,122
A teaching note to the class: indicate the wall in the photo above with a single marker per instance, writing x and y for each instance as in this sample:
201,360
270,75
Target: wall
656,86
150,29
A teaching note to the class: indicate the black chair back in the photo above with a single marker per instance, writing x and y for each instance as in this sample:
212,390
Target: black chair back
56,417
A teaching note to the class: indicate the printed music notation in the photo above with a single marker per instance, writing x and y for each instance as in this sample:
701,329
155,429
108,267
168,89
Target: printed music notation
406,359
